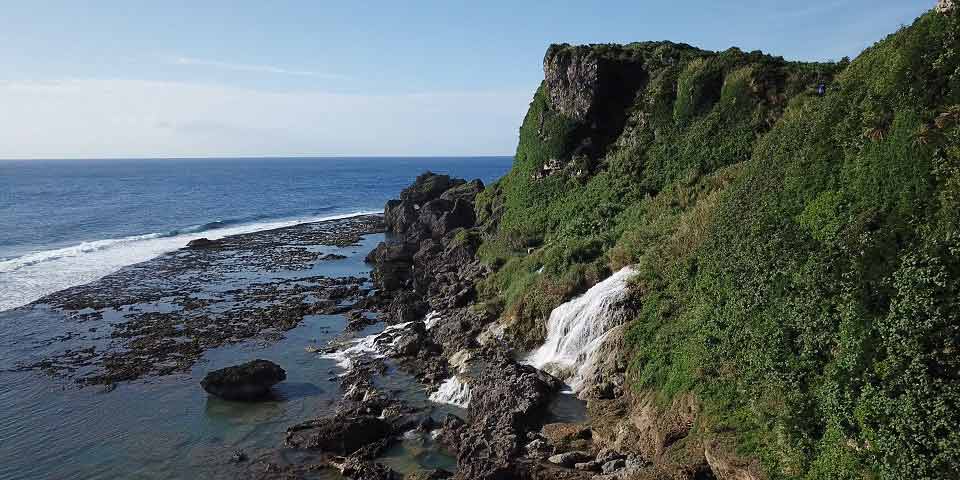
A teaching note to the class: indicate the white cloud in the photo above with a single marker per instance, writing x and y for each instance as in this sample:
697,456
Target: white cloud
84,118
242,67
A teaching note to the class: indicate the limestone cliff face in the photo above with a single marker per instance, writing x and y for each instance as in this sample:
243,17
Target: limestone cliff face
594,87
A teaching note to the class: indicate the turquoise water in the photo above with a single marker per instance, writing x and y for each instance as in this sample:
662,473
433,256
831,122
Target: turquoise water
69,223
165,427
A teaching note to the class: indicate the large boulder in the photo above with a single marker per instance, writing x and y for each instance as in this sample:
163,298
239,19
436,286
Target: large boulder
429,215
493,437
203,243
339,435
247,382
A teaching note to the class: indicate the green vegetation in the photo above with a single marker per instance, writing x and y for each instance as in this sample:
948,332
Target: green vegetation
799,256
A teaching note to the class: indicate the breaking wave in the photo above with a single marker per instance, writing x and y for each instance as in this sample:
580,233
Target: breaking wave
29,277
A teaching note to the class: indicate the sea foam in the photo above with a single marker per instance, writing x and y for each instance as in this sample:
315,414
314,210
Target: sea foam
29,277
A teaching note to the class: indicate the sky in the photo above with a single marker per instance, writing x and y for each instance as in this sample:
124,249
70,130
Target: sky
137,78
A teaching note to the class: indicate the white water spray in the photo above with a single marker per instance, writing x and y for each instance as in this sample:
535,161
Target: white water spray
453,392
375,346
579,327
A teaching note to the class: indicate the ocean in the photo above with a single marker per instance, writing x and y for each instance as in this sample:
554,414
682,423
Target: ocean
69,222
66,223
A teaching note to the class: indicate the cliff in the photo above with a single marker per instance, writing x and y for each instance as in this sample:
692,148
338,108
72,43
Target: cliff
747,267
795,314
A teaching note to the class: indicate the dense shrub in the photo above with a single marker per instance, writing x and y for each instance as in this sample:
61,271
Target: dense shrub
799,256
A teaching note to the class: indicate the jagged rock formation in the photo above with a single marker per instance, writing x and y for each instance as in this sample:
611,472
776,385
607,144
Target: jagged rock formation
945,6
425,222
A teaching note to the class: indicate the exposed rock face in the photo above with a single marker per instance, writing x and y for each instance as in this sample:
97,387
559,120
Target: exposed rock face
728,467
945,6
425,222
341,434
573,81
432,207
508,399
250,381
594,90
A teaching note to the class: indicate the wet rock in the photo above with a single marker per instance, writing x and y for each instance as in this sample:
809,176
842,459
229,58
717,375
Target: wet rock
539,449
340,434
607,455
358,469
491,442
203,243
613,466
569,459
591,466
428,475
450,431
247,382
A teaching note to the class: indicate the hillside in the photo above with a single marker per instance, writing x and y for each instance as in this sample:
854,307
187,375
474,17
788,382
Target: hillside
798,255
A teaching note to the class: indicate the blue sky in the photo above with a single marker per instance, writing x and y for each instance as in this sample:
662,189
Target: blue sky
246,78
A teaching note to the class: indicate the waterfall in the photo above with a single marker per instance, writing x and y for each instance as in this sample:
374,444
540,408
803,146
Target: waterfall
453,392
578,328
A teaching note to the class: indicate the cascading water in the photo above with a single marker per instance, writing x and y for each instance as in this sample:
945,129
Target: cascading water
579,327
454,392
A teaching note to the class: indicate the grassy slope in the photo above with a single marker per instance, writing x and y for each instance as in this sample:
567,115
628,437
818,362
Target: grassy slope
799,255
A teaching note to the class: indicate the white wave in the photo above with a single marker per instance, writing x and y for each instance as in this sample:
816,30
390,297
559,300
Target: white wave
376,346
577,329
454,392
29,277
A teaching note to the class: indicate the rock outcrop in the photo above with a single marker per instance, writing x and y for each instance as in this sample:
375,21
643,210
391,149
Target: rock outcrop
593,87
507,401
247,382
946,6
429,226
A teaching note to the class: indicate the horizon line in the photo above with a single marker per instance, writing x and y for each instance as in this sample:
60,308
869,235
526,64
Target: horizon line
252,157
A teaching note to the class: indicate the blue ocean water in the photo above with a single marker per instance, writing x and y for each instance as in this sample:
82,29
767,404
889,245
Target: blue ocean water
68,222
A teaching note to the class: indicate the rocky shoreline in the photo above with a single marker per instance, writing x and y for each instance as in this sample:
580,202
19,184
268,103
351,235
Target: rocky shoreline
162,315
426,274
159,317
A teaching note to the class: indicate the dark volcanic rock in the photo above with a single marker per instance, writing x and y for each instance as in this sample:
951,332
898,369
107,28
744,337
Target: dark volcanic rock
441,216
426,187
466,191
425,220
507,399
359,469
340,435
205,303
203,243
246,382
